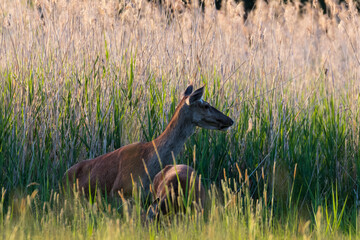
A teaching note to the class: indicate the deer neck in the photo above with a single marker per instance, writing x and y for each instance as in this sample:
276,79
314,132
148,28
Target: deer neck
173,138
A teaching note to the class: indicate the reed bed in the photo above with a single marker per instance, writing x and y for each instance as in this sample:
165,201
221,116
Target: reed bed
82,78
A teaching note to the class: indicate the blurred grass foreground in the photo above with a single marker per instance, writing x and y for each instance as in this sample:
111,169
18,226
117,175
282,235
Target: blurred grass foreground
81,78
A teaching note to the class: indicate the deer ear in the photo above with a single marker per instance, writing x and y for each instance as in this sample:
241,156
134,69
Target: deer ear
188,90
196,96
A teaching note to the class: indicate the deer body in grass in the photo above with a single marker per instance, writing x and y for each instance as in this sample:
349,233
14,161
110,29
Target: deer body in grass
119,169
172,186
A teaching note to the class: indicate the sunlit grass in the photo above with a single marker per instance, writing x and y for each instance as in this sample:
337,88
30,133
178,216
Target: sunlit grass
80,79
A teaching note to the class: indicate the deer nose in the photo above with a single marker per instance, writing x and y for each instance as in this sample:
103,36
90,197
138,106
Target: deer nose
230,122
227,124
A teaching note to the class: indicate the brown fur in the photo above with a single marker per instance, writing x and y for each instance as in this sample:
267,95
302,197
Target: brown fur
109,173
166,187
118,170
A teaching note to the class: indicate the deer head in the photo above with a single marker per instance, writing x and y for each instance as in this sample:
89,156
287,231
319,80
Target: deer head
202,114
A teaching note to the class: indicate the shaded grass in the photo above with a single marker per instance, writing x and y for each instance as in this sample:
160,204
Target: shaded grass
35,154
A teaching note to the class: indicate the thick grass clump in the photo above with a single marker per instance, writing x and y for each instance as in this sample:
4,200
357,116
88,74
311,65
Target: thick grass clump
80,79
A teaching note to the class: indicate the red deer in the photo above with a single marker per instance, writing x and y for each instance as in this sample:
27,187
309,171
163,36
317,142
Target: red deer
167,185
116,171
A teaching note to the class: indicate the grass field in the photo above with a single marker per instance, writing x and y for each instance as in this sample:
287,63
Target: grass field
82,78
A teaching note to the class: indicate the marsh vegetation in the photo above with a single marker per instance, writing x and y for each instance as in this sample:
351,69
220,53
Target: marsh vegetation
81,78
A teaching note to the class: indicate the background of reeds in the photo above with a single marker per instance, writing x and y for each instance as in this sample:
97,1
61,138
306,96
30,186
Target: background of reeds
82,78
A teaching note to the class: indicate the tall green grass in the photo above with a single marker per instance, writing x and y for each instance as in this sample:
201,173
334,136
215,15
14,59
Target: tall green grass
85,80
